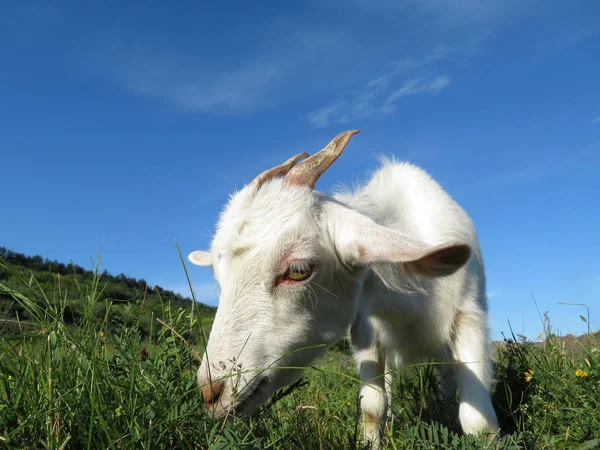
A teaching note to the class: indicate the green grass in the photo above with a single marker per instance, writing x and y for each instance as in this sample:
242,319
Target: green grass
94,385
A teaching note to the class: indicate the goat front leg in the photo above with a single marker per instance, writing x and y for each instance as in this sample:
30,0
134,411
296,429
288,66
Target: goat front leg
370,360
390,377
474,375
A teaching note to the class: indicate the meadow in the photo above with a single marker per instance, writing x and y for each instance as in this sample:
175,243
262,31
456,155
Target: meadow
119,373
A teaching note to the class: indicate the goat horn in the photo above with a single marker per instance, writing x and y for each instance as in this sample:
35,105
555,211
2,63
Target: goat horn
308,172
278,171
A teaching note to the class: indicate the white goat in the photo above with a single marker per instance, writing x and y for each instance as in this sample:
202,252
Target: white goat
396,263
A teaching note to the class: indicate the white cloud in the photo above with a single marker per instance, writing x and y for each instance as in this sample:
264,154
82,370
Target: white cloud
257,79
380,96
239,90
306,59
419,86
462,24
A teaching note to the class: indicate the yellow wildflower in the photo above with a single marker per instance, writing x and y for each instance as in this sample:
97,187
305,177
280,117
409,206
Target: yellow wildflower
581,373
528,375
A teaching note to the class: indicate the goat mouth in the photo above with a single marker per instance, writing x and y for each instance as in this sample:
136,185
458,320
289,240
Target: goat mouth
245,404
250,400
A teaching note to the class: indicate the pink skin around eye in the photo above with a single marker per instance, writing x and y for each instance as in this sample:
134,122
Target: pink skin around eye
285,278
295,253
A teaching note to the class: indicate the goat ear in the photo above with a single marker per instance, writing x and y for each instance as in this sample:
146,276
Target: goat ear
200,258
362,242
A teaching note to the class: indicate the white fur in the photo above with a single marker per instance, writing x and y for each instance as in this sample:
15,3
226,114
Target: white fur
374,275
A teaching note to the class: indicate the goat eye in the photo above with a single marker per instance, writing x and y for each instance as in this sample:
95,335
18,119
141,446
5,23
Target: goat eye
298,271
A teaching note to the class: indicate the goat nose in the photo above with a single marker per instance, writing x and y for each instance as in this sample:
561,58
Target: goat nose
212,391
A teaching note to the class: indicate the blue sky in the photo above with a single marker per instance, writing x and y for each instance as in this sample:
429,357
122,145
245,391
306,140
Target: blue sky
125,125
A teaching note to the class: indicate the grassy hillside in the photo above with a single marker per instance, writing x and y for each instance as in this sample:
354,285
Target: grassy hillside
121,300
84,381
